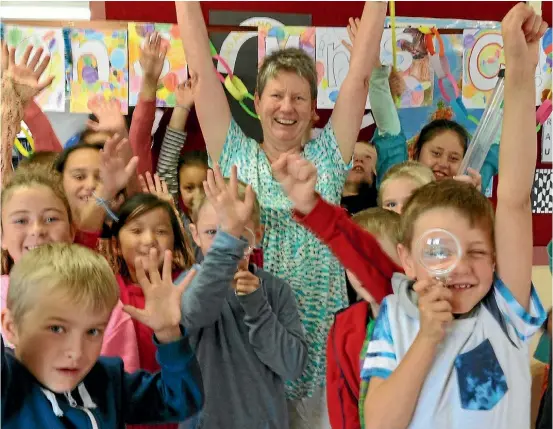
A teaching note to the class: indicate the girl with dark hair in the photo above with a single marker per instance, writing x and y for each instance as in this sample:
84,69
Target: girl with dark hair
145,222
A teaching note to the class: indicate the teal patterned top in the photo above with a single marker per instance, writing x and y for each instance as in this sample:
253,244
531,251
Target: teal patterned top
289,250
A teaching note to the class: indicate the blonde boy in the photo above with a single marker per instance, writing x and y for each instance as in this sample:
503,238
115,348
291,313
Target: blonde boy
59,303
456,355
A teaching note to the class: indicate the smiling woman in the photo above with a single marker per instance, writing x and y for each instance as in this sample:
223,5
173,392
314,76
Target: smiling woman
285,101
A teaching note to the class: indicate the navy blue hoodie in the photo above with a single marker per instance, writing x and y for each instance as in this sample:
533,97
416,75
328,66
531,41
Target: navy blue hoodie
107,398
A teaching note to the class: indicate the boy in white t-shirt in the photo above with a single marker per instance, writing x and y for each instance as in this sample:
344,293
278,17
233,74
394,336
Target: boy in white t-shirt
457,356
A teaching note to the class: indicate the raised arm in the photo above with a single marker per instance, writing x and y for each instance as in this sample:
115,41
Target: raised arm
277,339
41,129
522,30
20,83
211,103
175,137
350,106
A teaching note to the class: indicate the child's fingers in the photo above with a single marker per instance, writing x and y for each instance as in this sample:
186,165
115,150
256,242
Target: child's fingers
141,274
26,55
153,267
34,61
46,83
157,182
142,183
441,306
11,56
234,182
163,51
93,125
135,313
347,45
131,166
150,182
249,199
210,187
219,181
164,187
187,280
243,275
167,266
5,56
279,167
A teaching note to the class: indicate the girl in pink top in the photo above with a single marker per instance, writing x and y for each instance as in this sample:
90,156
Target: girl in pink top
35,211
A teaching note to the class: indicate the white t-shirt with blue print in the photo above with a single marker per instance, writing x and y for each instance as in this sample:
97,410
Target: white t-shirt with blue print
480,377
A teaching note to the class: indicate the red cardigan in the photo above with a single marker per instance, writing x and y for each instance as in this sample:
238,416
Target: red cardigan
356,249
360,253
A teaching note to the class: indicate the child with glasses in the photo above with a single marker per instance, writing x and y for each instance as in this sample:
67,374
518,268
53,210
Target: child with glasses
243,322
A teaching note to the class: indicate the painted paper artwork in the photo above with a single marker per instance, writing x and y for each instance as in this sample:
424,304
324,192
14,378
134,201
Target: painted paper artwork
174,68
52,99
332,62
483,57
271,39
100,68
543,71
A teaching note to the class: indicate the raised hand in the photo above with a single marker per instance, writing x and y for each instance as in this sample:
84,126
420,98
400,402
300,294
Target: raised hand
352,28
152,58
185,94
522,30
110,119
114,172
298,178
472,178
162,308
157,187
26,74
245,282
233,213
435,309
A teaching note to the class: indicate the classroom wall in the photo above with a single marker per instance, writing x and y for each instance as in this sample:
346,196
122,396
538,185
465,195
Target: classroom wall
332,14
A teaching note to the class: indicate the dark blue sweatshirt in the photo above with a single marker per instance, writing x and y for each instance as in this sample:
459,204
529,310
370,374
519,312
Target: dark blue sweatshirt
107,398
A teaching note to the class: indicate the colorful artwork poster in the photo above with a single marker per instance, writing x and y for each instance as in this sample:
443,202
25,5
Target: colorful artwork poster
483,58
100,68
271,39
413,64
52,99
412,120
174,69
332,62
543,71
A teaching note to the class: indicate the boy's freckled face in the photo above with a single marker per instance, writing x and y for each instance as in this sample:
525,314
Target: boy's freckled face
473,276
58,341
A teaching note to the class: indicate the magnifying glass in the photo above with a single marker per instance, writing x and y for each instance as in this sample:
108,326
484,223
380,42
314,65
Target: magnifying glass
439,252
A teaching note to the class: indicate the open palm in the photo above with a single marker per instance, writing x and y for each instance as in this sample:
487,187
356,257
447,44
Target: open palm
26,74
162,307
114,171
233,213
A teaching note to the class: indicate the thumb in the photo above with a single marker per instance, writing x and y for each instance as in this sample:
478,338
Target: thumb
183,285
249,198
135,313
45,84
279,167
131,166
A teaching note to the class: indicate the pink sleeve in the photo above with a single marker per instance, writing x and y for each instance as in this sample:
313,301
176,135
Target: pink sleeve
41,129
120,339
140,135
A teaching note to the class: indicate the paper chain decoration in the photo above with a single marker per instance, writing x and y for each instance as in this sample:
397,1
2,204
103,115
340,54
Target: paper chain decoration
232,83
20,148
440,65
